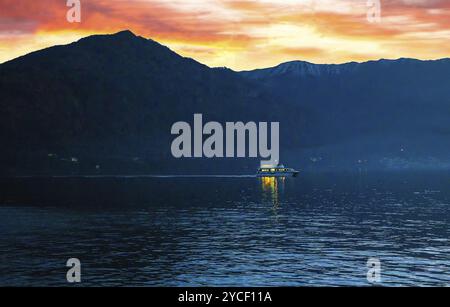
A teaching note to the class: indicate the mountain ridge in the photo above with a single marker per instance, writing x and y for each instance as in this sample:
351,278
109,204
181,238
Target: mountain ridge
110,100
305,68
129,33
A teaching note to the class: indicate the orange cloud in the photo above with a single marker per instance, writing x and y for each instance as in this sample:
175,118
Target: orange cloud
241,34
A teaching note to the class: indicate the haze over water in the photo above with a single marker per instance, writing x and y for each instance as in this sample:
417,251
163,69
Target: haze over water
226,231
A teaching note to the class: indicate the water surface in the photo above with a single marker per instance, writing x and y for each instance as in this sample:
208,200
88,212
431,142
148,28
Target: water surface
226,231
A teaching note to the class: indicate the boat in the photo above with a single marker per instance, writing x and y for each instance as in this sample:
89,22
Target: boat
276,170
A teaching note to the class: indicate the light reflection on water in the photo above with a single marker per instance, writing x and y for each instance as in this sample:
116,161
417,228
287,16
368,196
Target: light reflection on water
226,231
271,187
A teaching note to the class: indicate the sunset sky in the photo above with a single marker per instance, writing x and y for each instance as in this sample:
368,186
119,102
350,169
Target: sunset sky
240,34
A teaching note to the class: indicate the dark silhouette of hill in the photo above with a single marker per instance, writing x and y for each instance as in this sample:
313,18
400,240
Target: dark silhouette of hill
386,113
106,103
110,100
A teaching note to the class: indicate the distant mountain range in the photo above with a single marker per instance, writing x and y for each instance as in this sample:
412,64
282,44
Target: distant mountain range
301,69
105,104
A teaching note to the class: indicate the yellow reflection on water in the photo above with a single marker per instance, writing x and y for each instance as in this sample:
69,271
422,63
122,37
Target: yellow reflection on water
271,188
269,184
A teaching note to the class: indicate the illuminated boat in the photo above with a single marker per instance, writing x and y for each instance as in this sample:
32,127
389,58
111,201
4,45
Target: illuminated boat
278,170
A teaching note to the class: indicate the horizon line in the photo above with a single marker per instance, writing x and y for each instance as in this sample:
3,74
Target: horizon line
226,67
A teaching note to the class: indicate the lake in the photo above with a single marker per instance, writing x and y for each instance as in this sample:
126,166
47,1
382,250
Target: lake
314,230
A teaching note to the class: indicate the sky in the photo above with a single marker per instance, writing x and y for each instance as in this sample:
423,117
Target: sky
241,34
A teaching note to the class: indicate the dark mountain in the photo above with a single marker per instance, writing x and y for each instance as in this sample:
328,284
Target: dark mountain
106,103
110,100
387,113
